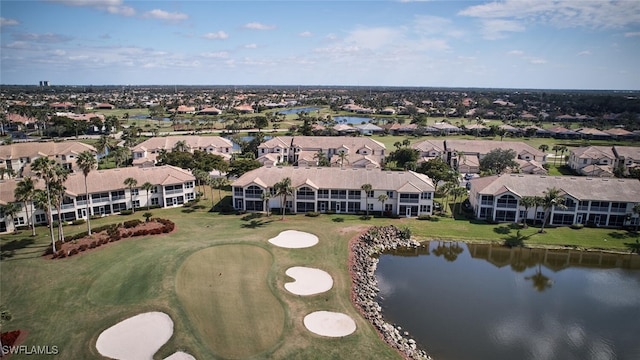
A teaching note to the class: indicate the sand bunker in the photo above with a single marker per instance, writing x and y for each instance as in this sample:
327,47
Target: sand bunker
331,324
308,281
179,355
294,239
137,337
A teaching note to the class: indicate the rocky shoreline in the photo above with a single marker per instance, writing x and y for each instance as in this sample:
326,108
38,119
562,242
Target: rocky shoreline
363,263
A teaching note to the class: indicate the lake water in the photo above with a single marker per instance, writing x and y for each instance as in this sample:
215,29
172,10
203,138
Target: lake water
351,120
298,110
474,301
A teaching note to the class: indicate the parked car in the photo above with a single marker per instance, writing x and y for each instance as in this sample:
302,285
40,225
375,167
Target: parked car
468,176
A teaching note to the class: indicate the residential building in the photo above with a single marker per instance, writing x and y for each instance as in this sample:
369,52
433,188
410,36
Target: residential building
19,156
145,154
590,201
627,157
107,193
336,189
465,155
360,152
593,161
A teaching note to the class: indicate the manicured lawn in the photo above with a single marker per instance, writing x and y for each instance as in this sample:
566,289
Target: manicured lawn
68,302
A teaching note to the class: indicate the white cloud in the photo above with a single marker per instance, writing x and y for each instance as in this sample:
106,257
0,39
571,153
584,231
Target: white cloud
584,53
537,61
305,34
121,10
373,38
592,14
632,34
8,22
258,26
42,38
216,55
496,28
251,46
218,35
115,7
165,15
516,52
331,37
58,52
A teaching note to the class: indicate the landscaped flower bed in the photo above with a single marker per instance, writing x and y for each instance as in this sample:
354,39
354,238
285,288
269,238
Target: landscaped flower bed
9,338
109,233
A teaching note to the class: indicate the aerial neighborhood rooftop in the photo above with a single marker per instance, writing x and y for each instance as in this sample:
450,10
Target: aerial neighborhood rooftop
329,143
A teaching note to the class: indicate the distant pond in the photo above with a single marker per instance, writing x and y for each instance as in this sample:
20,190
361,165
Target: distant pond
476,301
351,120
298,110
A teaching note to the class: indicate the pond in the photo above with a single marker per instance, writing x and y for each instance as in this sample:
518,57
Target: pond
351,120
476,301
298,110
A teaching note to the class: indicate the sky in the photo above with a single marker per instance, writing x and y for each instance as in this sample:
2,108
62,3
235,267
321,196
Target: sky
525,44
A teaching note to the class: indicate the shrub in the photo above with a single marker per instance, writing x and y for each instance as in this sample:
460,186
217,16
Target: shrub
132,223
78,222
92,245
83,247
312,214
72,252
61,254
126,212
577,226
424,217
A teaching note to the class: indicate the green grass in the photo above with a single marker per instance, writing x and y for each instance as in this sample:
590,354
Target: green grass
69,302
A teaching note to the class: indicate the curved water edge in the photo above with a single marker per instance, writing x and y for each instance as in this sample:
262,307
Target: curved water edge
363,262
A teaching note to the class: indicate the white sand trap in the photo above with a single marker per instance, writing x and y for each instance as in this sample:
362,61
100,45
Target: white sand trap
137,337
330,324
179,355
308,281
294,239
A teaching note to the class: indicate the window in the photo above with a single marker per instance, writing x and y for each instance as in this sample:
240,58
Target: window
353,207
119,207
190,196
425,208
339,194
371,194
370,207
253,191
18,221
388,207
136,203
409,198
101,197
354,194
117,195
40,218
188,185
323,194
237,191
154,190
135,192
154,201
507,201
390,194
426,196
305,193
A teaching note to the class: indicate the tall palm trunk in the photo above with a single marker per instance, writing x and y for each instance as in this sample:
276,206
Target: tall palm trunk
86,194
50,213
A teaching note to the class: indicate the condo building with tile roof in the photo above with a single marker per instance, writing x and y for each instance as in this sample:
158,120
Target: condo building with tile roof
19,156
361,152
590,201
145,154
107,193
322,189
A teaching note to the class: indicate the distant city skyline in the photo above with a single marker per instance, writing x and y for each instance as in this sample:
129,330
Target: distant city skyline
500,44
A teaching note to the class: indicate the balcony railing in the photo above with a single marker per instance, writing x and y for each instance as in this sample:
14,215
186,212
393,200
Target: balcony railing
335,196
99,200
117,197
506,206
81,202
323,196
170,192
409,201
600,208
67,206
486,202
252,196
583,208
618,210
305,197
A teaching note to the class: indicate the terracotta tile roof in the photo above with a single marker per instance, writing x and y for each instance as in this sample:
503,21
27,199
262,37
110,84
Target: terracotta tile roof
484,146
39,149
192,141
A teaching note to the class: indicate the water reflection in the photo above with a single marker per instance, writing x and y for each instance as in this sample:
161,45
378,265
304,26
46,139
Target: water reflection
482,301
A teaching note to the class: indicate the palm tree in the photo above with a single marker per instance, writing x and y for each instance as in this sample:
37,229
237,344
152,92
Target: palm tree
446,189
131,182
265,197
147,187
120,155
284,189
342,155
180,146
527,202
540,281
636,210
10,211
219,183
457,192
562,151
555,148
43,168
9,172
321,158
543,148
551,199
382,198
86,162
24,192
58,190
367,189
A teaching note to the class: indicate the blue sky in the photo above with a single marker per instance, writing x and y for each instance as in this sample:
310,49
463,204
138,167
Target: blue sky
578,44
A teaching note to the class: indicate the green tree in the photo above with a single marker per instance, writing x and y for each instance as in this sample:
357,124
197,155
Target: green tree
321,158
552,199
283,190
544,148
219,183
457,192
527,202
10,210
556,148
147,186
86,162
239,166
437,170
367,189
403,156
43,167
498,160
636,210
383,199
24,192
181,145
342,156
131,183
265,197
